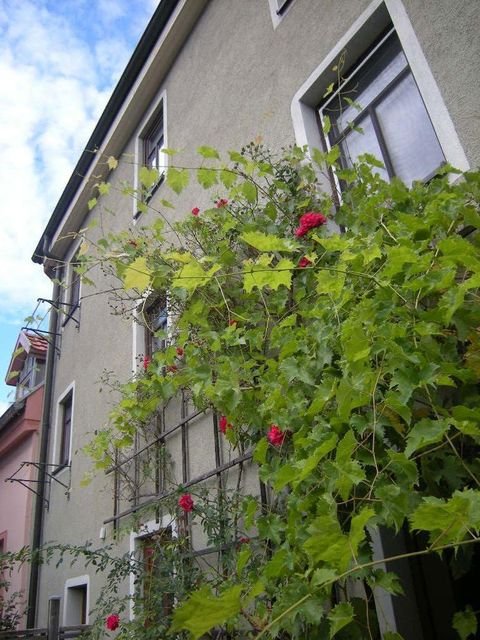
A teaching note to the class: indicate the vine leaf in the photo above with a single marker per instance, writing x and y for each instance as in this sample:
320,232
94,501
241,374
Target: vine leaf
137,275
265,242
340,616
177,179
203,610
465,623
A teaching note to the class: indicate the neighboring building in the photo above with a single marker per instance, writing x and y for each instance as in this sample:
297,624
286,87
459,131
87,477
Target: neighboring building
222,72
19,427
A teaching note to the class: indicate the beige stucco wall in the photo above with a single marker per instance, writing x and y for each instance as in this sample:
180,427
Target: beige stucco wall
234,79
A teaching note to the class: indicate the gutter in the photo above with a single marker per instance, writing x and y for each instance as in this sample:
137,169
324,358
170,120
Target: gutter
43,459
121,91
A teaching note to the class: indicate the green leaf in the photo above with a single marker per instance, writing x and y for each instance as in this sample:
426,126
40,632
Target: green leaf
215,610
330,283
227,178
92,203
137,275
207,177
305,467
177,179
103,188
242,558
465,623
265,242
357,529
249,190
259,274
148,177
425,432
112,163
260,453
326,124
208,152
192,275
339,617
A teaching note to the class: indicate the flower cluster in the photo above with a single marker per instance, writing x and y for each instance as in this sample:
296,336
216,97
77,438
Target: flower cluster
147,361
276,436
222,202
308,221
180,352
224,424
112,622
195,211
186,503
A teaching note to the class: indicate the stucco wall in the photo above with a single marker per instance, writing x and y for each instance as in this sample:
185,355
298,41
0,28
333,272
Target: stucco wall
233,80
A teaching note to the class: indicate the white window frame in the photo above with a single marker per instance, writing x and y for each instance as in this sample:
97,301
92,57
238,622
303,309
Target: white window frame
79,581
278,10
158,106
146,530
69,276
139,330
355,41
59,425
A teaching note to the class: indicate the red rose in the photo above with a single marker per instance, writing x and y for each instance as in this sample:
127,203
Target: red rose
171,368
244,540
186,503
112,622
304,262
180,352
224,424
147,361
308,221
221,203
195,211
276,436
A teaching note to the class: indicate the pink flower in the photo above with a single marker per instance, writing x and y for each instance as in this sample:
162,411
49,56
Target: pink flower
147,361
112,622
276,436
308,221
180,352
195,211
221,203
304,262
224,424
186,503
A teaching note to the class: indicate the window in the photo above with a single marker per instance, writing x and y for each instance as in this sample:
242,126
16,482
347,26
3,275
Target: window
414,91
378,110
153,158
65,430
156,320
278,8
74,291
76,601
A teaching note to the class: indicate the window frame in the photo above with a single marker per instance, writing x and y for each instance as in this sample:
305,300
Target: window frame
155,118
72,297
62,457
278,9
366,29
76,584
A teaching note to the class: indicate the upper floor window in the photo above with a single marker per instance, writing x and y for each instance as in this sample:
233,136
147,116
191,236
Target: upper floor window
65,427
153,143
378,109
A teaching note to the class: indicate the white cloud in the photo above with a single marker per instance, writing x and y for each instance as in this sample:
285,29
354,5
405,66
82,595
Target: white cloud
58,70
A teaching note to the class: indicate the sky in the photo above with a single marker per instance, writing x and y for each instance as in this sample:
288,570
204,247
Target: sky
59,63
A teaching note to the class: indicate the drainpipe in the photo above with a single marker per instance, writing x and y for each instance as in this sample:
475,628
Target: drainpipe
43,459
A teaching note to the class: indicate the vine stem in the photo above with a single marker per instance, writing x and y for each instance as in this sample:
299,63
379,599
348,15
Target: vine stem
360,567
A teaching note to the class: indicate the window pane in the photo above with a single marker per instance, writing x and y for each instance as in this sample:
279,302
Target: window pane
411,141
356,143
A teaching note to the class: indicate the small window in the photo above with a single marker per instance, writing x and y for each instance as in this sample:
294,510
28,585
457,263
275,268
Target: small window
156,321
65,430
76,602
153,158
378,109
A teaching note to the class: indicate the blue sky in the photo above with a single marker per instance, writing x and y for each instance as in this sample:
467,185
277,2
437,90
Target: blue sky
59,62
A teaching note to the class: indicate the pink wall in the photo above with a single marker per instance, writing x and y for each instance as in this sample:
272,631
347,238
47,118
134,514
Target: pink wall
19,443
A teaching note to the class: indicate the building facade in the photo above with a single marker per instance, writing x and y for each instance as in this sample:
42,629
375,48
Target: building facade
223,72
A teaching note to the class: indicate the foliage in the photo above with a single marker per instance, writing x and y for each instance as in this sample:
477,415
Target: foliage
364,355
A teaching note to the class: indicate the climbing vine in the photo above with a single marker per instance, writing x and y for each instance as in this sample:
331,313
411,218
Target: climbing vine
341,346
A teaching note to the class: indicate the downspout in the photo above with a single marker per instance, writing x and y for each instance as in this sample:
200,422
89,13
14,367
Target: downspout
43,459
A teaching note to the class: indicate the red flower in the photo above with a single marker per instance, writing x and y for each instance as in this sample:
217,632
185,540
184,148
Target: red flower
147,361
171,368
112,622
221,203
186,502
308,221
276,436
232,323
244,540
195,211
224,424
180,352
304,262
